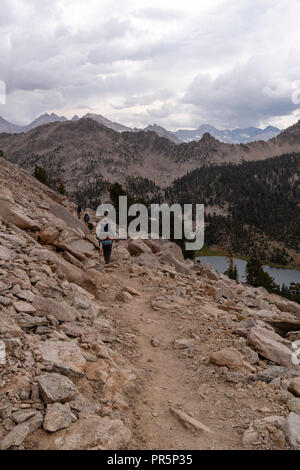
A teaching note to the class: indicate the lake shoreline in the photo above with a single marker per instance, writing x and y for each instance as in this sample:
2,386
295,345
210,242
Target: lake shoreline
281,276
209,252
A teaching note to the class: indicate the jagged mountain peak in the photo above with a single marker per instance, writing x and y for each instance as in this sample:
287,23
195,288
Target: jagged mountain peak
162,132
207,137
106,122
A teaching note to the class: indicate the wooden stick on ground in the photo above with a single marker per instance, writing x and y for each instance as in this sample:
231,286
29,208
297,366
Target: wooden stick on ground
188,421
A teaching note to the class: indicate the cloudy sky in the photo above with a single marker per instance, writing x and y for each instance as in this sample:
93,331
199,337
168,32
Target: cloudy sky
230,63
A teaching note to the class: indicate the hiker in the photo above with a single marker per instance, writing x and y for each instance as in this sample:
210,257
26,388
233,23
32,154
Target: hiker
86,219
79,211
106,236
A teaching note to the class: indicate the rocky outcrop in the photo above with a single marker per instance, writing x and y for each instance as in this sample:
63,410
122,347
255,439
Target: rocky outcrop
271,346
230,358
137,247
265,432
292,430
91,433
62,311
171,259
58,417
12,213
19,432
294,386
65,356
56,388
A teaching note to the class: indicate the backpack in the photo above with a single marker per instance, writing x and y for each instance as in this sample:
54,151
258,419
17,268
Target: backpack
86,218
106,230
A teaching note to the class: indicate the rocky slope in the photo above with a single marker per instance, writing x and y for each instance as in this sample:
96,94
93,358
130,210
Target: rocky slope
107,123
82,151
137,354
9,128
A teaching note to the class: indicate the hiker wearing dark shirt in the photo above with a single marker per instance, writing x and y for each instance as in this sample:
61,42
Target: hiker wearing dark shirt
86,219
79,211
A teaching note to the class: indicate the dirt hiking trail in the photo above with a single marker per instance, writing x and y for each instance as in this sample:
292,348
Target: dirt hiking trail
173,375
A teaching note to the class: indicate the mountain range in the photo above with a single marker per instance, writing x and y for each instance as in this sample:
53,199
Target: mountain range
84,153
235,136
87,156
46,118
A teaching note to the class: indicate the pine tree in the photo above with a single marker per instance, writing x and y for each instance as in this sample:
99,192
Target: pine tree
257,277
61,187
41,175
232,273
115,191
292,292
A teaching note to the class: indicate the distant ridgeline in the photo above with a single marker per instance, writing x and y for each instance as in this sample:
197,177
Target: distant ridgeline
254,198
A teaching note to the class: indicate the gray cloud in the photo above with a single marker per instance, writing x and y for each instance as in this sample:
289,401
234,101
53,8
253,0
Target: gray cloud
244,95
7,13
228,63
159,14
146,99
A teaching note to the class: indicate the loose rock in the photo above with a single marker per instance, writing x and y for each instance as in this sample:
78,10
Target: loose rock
56,388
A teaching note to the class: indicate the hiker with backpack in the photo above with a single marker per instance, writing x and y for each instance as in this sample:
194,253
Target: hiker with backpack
86,219
106,236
